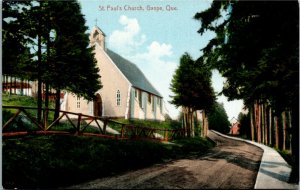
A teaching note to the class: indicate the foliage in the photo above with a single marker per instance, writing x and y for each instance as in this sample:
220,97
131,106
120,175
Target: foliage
218,119
15,52
261,64
191,84
68,63
245,129
72,65
168,124
59,161
256,49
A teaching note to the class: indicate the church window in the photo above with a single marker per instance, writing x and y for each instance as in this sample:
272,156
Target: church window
140,99
78,102
153,104
95,34
135,93
160,106
118,98
149,98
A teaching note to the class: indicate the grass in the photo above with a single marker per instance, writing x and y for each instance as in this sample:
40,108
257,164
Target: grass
25,101
17,100
169,124
60,161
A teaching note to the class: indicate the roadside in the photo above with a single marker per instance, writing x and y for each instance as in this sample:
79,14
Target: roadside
274,172
230,165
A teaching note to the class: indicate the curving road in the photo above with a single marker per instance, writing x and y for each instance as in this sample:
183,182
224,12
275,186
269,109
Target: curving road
230,165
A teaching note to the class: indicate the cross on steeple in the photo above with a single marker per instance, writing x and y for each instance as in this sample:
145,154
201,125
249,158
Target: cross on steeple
96,21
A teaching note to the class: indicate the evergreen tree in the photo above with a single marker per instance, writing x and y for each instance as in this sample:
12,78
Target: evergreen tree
58,26
73,66
257,50
218,119
191,85
245,128
16,56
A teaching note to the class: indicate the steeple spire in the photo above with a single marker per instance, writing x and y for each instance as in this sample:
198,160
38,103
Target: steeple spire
97,36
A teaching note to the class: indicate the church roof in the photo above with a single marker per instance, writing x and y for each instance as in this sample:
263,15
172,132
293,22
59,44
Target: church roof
132,73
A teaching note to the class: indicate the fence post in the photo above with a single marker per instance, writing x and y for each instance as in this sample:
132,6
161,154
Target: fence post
122,131
45,118
104,125
78,124
166,135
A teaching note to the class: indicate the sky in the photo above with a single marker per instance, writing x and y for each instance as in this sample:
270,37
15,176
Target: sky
154,34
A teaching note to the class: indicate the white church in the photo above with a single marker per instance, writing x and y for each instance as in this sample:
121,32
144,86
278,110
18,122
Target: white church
126,92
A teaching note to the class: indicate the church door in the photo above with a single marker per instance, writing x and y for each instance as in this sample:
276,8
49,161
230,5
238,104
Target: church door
98,105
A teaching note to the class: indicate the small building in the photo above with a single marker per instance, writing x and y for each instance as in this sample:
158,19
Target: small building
16,86
126,92
235,127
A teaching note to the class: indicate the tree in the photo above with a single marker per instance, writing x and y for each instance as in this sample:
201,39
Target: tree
255,62
68,62
18,32
218,118
191,85
245,128
257,50
73,64
16,55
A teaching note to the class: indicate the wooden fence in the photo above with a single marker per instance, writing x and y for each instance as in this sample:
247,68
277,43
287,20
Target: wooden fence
16,117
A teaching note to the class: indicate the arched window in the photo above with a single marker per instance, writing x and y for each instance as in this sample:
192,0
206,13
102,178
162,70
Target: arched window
118,98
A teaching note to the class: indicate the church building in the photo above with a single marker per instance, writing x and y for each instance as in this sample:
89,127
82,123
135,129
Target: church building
126,92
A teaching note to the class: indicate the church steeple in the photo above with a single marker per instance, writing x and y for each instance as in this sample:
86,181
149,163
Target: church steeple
97,36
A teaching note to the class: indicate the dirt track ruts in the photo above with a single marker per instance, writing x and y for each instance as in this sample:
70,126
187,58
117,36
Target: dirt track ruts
230,165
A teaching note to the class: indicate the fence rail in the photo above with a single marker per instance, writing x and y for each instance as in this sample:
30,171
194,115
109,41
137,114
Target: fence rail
78,124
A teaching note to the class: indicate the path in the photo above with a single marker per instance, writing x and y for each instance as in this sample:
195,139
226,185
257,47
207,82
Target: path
231,164
274,172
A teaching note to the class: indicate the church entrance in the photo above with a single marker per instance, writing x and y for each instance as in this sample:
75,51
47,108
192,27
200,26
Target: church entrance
98,105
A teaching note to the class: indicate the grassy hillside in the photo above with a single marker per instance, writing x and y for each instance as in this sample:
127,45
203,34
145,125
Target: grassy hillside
60,161
17,100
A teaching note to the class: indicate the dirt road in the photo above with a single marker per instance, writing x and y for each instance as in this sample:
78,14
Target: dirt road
230,165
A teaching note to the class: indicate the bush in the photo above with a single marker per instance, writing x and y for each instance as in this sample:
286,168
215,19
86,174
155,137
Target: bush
6,115
168,124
